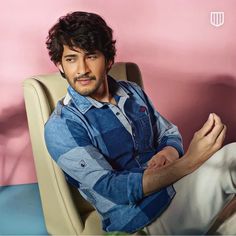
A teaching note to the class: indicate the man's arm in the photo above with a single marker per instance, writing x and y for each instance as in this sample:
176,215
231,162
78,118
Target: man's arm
70,146
204,144
168,138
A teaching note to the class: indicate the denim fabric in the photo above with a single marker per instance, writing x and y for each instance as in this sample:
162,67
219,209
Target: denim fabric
103,150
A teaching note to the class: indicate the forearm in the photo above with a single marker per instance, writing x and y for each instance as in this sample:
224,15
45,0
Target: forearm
155,179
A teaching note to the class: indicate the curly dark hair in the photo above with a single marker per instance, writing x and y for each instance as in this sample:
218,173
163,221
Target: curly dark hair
87,31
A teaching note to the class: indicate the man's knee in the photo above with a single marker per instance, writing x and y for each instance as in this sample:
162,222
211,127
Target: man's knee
231,147
228,153
223,158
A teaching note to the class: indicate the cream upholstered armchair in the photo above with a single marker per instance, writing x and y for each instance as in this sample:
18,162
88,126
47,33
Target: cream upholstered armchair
65,211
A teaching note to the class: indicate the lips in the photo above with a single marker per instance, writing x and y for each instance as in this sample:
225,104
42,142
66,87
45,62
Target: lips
84,81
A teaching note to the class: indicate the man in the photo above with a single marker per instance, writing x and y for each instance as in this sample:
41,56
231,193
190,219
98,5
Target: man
124,157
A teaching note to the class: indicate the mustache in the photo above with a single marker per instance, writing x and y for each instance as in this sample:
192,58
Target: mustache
84,76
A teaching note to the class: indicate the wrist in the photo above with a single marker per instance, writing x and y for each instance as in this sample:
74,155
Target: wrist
190,164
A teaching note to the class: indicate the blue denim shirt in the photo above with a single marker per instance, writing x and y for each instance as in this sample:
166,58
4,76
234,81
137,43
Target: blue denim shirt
103,149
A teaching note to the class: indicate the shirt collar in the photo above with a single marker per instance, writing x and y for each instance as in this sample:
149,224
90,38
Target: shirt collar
84,103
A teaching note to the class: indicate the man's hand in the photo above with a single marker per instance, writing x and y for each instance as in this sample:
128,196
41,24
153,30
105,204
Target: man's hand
204,144
167,155
206,141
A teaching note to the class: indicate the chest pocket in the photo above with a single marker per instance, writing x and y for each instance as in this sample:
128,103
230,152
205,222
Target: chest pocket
143,132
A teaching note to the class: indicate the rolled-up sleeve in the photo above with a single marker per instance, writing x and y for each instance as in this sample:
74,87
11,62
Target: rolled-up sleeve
168,133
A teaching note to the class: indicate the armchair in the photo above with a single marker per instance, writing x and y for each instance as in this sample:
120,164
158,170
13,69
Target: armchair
65,211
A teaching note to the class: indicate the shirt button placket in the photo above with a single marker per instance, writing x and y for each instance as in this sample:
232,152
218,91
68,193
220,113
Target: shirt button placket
135,143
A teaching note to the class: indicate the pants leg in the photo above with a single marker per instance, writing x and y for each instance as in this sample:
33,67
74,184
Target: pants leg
228,227
200,196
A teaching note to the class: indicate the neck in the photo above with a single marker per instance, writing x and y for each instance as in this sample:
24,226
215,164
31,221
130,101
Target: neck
103,94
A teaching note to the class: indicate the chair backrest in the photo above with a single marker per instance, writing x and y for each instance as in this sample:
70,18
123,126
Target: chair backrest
65,211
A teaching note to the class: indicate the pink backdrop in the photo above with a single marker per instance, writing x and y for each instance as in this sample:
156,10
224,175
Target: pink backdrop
188,65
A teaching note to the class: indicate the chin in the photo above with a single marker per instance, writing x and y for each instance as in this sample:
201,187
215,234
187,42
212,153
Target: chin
85,92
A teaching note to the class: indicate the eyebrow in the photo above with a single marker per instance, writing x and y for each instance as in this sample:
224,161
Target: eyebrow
70,55
92,52
75,55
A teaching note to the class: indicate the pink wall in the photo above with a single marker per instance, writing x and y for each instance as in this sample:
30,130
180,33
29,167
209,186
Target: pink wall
188,65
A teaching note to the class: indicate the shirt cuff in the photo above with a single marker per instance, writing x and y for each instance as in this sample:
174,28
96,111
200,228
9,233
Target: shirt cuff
135,186
173,142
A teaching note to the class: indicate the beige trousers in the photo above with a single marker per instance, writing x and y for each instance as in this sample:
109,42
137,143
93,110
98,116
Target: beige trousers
200,197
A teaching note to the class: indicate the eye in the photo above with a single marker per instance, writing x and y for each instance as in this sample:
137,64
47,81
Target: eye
70,59
92,56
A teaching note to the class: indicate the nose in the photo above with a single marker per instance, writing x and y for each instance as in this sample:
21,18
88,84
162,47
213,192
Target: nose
82,67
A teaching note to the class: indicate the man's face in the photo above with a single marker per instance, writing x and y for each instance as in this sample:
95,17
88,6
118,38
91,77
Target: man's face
84,71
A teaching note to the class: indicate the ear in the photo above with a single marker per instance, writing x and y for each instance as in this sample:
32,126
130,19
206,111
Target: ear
109,64
60,67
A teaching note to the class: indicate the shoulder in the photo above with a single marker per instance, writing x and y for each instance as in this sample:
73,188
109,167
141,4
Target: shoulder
63,133
131,87
128,84
63,122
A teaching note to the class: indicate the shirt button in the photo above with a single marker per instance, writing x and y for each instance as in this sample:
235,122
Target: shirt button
117,113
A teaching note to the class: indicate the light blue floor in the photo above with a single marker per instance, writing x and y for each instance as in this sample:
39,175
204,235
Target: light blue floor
21,210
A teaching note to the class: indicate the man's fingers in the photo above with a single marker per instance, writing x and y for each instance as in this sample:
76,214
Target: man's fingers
216,119
217,129
157,161
207,126
221,137
150,163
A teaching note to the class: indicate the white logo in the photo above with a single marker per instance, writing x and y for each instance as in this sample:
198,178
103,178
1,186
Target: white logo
217,18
